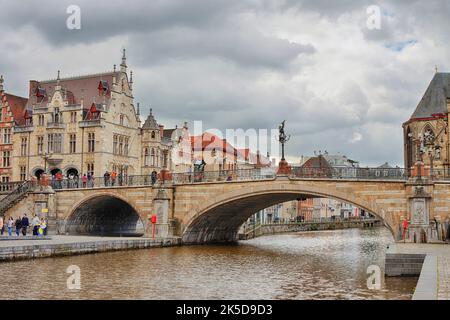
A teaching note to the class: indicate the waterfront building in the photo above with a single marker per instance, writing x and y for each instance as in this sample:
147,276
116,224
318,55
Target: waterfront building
86,125
12,111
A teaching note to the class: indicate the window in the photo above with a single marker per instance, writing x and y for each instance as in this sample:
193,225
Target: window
125,148
91,142
157,158
73,117
41,119
120,145
50,143
6,159
152,158
23,173
153,134
40,145
115,144
7,135
72,143
146,157
90,169
54,143
56,116
121,119
23,146
163,159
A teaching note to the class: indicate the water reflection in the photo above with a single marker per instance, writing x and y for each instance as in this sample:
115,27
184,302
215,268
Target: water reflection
315,265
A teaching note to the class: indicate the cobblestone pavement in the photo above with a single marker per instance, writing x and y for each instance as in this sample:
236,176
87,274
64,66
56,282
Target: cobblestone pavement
443,276
441,272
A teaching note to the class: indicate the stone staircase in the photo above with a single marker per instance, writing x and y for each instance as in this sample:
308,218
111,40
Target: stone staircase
16,195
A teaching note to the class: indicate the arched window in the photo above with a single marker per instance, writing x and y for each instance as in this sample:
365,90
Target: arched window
428,135
157,157
153,134
152,157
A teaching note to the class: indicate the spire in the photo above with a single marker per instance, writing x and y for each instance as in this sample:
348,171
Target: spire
123,65
58,85
435,69
131,79
1,83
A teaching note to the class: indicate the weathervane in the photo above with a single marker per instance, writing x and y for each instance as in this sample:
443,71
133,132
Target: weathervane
282,138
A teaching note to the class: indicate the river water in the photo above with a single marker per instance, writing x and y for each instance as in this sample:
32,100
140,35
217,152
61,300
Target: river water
312,265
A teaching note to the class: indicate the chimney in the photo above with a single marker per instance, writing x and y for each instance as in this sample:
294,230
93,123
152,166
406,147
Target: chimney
161,130
33,85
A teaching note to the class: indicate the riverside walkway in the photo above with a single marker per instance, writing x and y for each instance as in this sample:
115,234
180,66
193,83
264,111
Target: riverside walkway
434,279
59,245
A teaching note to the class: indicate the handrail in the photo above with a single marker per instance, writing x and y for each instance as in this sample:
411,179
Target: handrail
14,195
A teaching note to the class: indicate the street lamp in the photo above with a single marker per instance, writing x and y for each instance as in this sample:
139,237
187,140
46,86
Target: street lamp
46,156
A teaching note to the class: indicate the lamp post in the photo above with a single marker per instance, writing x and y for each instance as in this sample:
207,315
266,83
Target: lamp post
46,156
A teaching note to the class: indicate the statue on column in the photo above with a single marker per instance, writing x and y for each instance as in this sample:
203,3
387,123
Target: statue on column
283,167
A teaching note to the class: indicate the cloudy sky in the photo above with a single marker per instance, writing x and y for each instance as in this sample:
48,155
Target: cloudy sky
341,86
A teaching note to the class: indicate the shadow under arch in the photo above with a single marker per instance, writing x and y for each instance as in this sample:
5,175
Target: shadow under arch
219,220
104,215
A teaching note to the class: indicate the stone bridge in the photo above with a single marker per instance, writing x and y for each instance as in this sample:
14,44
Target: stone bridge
214,211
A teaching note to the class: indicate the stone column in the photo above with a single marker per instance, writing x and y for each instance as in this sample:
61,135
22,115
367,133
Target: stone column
420,229
161,210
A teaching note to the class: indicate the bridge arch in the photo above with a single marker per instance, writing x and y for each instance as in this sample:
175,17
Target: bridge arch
219,219
105,214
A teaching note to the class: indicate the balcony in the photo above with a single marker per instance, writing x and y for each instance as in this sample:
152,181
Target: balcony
21,129
55,125
90,123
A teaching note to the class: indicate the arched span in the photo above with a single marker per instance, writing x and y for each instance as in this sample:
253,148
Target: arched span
105,215
220,218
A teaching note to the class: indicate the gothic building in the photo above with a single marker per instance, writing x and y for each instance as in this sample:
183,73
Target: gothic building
426,133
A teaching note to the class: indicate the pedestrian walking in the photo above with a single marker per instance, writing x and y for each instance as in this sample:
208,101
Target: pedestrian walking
18,224
2,226
10,226
25,224
35,223
43,228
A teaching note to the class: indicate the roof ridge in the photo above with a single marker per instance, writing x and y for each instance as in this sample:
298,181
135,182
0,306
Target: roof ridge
80,76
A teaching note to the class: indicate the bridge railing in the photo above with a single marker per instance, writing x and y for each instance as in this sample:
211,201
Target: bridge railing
349,173
222,176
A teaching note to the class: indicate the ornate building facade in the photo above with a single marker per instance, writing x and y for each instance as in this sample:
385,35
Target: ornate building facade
12,109
426,133
85,125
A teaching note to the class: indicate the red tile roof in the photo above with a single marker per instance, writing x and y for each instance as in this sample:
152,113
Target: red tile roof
17,106
76,88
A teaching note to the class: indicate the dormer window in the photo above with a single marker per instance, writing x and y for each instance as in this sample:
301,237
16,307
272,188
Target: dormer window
40,94
28,116
103,88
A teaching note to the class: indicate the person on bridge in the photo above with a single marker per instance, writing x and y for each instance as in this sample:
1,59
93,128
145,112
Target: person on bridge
18,225
2,226
113,177
84,180
106,177
154,176
25,224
